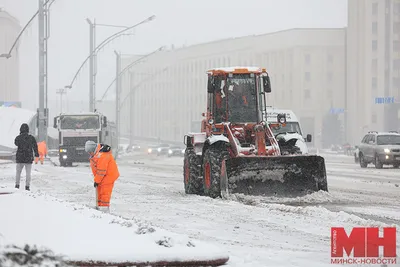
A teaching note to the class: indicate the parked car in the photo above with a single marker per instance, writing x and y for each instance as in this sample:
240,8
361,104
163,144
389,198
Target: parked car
163,149
176,151
380,148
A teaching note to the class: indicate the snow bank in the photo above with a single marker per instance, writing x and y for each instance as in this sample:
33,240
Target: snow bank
11,120
81,234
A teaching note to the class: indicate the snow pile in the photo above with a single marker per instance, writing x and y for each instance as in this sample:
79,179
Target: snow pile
319,197
11,120
81,234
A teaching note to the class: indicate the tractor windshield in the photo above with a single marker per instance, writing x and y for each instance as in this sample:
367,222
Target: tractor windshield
239,103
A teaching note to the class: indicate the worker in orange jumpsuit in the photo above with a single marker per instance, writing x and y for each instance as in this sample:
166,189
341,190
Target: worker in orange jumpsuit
105,172
42,152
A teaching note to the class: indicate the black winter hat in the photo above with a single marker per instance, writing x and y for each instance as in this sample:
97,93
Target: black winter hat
24,128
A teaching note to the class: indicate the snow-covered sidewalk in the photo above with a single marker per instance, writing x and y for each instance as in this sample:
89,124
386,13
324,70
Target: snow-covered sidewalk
81,234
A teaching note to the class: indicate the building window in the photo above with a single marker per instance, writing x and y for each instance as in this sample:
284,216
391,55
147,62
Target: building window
307,59
307,94
330,59
396,46
374,118
307,76
374,27
375,9
374,83
374,45
329,77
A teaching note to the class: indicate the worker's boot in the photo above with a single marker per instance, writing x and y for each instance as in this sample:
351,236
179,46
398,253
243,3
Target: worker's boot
17,186
27,188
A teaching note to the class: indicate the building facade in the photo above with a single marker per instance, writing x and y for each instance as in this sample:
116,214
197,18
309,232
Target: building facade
306,67
9,68
373,67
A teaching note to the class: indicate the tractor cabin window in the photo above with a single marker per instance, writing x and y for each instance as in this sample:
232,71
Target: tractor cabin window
235,99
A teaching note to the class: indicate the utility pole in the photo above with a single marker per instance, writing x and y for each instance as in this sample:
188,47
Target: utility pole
42,129
92,47
61,92
117,97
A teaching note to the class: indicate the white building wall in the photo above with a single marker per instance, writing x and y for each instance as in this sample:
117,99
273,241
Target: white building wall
166,106
373,43
9,68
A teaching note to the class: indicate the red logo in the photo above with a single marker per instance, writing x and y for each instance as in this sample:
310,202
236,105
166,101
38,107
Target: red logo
362,245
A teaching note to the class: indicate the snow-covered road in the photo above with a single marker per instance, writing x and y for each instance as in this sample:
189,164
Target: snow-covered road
256,231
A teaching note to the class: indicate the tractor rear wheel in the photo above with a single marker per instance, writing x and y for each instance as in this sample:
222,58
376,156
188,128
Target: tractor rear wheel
213,169
191,173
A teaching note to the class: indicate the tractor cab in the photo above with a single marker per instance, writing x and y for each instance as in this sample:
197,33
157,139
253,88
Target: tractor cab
237,95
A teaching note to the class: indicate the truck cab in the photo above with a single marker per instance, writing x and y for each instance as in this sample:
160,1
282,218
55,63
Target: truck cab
290,134
75,129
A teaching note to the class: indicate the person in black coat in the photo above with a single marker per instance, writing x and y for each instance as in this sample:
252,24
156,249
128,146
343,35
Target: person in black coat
27,146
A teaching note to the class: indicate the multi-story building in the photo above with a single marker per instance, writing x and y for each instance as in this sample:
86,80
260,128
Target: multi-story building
306,67
373,67
9,68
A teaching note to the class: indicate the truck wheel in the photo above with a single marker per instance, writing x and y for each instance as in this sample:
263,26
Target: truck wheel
213,162
191,173
363,164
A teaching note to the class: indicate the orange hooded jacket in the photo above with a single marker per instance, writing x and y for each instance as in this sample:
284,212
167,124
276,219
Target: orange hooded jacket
103,165
42,148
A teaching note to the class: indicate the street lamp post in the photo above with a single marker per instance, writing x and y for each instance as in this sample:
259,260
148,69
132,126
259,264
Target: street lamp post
91,64
42,131
117,96
93,54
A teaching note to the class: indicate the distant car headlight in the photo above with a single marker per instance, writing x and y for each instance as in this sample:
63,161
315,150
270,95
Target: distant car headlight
149,150
159,149
170,151
387,150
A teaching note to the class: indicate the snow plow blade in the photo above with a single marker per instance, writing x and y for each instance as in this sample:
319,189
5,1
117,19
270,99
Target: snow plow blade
288,176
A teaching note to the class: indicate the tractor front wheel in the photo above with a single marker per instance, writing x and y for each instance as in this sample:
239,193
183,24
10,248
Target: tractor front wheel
214,169
191,173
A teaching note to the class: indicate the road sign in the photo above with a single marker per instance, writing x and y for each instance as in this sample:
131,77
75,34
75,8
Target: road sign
336,110
385,100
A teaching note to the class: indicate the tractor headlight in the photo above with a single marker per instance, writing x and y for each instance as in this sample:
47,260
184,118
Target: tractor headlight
211,121
149,150
65,157
63,150
183,151
159,149
387,150
170,151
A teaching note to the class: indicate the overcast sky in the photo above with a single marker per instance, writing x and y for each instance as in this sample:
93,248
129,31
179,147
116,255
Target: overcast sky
178,22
